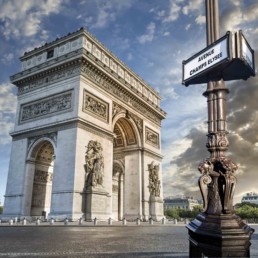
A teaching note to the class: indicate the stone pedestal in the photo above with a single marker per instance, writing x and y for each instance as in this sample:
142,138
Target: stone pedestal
98,204
224,235
156,208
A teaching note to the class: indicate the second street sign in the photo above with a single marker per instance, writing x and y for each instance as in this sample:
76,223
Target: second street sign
229,58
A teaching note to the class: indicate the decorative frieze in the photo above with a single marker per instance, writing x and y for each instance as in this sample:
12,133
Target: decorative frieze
47,106
151,137
217,141
119,156
112,87
95,106
51,78
43,176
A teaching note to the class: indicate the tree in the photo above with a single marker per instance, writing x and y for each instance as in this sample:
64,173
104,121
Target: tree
239,205
196,210
247,210
172,213
1,209
177,213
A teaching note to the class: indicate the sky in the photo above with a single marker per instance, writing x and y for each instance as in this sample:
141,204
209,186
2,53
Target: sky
152,37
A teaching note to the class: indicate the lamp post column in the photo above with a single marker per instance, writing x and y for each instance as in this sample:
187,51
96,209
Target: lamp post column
217,231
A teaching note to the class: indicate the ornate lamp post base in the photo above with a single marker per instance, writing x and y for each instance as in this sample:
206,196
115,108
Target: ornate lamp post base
218,232
219,235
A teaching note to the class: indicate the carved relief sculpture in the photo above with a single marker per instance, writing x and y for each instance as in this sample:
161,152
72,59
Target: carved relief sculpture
95,106
43,176
46,106
151,137
154,182
94,166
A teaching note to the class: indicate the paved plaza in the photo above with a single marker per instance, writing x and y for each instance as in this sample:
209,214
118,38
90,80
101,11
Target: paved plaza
99,241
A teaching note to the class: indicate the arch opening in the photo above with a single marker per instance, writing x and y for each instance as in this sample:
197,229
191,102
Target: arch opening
126,138
43,177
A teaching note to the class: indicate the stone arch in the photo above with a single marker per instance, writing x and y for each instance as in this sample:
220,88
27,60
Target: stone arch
127,127
40,168
126,193
36,144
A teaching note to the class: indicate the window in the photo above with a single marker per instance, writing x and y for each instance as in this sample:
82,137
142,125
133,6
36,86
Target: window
50,53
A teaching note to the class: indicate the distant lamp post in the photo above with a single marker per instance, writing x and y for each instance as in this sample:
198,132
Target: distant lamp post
217,231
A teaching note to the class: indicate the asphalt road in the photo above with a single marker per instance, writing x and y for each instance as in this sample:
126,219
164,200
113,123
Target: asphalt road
99,241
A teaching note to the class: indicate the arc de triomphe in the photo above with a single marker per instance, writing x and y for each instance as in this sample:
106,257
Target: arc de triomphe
86,141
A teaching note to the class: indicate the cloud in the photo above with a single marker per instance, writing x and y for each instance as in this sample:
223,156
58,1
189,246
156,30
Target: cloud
107,11
188,26
23,18
238,15
182,174
7,58
149,35
8,102
200,20
193,6
174,12
166,34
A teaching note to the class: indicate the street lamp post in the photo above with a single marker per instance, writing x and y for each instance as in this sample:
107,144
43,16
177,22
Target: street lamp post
217,231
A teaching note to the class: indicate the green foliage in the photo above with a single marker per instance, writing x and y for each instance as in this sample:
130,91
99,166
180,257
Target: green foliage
1,209
172,213
177,213
239,205
247,210
196,210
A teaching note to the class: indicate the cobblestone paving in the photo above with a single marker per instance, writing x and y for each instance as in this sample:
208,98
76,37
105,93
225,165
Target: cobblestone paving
99,241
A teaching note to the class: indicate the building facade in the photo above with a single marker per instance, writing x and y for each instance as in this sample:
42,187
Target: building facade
250,197
182,202
86,141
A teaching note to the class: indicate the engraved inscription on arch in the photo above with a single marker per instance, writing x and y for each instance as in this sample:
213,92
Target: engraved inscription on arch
95,106
46,106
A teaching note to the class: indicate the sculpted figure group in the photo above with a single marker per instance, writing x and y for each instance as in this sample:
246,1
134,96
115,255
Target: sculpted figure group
154,182
94,166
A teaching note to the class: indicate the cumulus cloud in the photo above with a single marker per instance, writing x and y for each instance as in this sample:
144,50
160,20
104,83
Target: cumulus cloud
7,58
237,15
200,19
174,12
8,102
107,11
23,18
149,35
194,5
